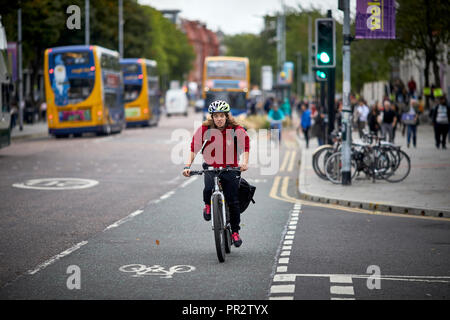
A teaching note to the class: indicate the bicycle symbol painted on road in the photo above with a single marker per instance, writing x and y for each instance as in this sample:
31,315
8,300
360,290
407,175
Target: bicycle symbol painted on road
141,270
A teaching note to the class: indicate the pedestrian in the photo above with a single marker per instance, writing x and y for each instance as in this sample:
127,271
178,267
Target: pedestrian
305,123
362,112
372,120
412,88
339,109
276,117
440,117
43,110
411,119
396,108
388,121
318,129
268,104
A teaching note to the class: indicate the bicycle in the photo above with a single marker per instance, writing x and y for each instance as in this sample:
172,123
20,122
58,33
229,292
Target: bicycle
219,212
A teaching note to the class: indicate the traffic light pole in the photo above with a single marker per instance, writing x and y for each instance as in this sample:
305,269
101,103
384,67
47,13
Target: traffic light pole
331,93
331,107
346,111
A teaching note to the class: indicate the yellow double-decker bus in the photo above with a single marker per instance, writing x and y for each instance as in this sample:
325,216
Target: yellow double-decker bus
84,90
226,78
141,91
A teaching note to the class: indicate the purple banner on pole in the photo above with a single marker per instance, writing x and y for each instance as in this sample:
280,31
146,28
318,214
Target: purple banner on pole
375,19
12,60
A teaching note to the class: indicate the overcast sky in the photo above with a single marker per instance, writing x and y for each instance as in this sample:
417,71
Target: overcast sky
238,16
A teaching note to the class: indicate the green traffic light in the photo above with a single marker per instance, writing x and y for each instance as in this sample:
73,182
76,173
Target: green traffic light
324,57
321,74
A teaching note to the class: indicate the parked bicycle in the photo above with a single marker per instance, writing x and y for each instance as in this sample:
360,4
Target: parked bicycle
375,158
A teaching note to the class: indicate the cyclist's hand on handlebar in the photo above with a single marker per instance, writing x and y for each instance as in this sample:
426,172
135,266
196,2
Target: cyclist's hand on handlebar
187,172
244,167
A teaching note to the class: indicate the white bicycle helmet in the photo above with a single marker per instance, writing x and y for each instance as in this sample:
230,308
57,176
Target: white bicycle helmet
218,106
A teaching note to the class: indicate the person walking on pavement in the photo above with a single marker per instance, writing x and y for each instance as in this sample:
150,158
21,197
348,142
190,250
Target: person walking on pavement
362,112
305,123
372,120
276,117
396,108
411,119
388,121
412,88
440,117
318,129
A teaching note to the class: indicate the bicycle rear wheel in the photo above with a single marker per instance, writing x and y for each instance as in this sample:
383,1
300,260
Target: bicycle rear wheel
218,225
402,169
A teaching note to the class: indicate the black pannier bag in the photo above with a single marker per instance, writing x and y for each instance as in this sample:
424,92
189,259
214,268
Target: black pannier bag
246,193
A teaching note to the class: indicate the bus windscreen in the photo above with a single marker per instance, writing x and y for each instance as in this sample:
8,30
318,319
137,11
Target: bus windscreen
72,76
226,69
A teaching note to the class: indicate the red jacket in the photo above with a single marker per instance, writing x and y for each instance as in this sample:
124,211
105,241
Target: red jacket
220,149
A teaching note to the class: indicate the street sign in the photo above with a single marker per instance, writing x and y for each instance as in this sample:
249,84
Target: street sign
266,78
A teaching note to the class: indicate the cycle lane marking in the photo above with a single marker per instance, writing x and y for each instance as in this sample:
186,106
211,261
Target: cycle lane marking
285,291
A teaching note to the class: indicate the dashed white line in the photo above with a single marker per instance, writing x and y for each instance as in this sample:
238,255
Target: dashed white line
285,291
57,257
345,290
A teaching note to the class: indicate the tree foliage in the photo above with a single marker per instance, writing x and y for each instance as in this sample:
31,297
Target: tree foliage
423,27
147,33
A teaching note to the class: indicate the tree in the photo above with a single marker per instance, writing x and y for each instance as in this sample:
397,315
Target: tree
147,34
423,27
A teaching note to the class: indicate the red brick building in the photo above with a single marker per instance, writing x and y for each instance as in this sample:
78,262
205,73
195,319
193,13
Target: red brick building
205,43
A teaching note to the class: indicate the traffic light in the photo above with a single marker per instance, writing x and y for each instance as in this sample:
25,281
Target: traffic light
325,43
321,74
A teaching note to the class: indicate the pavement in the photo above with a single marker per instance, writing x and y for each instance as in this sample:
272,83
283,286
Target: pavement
424,192
29,131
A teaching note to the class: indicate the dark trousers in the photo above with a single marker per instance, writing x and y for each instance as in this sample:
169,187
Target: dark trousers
412,131
230,187
440,134
306,133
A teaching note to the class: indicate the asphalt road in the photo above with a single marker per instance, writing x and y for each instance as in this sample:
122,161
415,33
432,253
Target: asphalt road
139,233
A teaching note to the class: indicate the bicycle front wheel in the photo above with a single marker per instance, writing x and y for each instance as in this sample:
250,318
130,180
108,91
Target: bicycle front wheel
402,168
219,230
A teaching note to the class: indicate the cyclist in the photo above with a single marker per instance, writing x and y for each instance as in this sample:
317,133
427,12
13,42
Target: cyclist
226,140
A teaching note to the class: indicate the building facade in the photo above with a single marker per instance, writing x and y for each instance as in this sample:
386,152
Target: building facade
205,43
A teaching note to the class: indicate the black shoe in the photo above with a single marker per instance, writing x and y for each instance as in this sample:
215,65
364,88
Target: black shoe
236,239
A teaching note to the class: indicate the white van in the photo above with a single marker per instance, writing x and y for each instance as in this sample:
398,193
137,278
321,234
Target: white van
176,102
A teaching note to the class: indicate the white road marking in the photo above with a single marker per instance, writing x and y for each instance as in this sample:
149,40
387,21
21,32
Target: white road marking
283,260
57,257
288,288
346,290
189,181
123,220
340,279
282,269
282,298
167,195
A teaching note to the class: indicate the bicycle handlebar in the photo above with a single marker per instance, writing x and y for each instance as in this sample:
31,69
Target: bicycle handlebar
216,170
